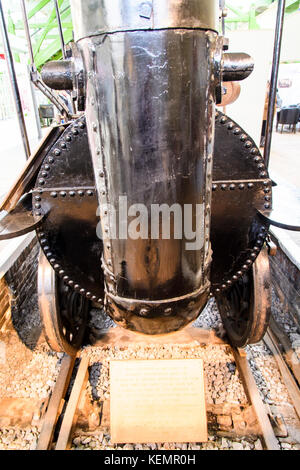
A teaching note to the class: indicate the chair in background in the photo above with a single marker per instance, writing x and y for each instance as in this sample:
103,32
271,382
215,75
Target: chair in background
288,117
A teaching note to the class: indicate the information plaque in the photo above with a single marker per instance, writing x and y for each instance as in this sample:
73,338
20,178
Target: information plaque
157,401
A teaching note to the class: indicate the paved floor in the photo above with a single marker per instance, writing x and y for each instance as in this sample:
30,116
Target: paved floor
285,157
285,171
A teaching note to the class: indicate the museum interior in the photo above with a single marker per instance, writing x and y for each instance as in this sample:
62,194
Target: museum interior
149,227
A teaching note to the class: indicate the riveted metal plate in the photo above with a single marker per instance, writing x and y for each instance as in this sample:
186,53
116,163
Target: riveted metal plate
65,191
68,235
241,186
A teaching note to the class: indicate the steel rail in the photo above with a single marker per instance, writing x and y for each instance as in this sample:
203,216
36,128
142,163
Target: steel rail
286,349
69,414
252,393
291,384
64,409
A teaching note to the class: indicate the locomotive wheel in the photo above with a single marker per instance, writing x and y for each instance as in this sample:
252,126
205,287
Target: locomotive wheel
64,312
245,308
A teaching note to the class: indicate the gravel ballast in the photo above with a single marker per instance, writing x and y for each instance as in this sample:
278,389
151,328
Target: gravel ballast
33,377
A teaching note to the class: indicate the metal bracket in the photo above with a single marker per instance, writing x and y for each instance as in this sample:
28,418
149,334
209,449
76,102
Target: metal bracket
52,96
283,214
272,247
19,221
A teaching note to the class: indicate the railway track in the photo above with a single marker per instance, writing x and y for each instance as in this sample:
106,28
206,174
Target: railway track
58,406
61,415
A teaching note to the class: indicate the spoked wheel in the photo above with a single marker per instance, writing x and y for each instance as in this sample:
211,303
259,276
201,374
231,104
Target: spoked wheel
245,308
64,312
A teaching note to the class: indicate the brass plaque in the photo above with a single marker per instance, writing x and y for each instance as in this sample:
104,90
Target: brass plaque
157,401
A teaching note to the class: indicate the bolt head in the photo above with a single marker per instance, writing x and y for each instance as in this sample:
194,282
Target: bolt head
145,10
143,312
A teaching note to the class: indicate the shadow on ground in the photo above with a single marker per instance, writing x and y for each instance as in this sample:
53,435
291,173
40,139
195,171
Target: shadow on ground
27,323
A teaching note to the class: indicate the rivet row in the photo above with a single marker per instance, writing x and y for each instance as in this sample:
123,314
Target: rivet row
248,263
248,145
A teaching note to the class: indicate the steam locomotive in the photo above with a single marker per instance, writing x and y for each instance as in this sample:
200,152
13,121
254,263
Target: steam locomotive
147,142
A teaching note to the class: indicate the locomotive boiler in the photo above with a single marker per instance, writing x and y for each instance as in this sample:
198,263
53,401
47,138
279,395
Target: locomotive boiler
148,202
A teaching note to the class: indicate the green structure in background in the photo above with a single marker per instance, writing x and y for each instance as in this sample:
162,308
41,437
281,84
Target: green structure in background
43,28
238,17
45,37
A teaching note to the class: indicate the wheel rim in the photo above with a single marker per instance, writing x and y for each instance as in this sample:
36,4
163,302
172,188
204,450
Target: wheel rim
64,313
245,308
